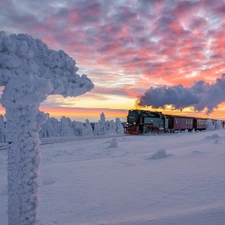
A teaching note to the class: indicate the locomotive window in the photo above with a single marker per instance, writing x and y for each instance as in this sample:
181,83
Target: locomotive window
176,120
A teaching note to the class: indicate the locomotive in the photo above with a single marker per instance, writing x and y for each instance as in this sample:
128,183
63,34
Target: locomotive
143,121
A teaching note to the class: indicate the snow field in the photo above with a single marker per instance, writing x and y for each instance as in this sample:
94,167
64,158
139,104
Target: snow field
106,181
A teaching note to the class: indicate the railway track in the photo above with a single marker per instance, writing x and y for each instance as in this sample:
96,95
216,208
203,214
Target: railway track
46,141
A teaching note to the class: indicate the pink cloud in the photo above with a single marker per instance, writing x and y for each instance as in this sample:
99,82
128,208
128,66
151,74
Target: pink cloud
152,42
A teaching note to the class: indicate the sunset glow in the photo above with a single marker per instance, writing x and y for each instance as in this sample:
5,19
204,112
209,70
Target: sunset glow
80,114
125,48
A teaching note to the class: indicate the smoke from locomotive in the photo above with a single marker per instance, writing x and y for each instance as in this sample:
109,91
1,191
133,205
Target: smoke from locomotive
200,96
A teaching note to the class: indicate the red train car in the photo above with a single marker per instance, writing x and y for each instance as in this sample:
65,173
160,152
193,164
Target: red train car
179,123
199,123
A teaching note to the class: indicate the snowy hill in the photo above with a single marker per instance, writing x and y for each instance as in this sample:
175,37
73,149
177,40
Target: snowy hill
169,179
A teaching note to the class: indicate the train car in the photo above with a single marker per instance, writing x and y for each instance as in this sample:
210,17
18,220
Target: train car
199,123
179,123
143,121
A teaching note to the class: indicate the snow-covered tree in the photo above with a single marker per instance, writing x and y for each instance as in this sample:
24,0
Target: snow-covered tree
50,128
119,127
79,128
111,126
102,124
209,125
89,130
29,72
103,127
97,129
65,127
219,125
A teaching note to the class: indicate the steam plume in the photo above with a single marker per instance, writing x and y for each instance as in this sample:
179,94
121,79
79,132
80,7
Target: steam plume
201,95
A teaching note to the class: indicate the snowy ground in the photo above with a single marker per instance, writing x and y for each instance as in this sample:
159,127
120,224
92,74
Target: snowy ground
96,182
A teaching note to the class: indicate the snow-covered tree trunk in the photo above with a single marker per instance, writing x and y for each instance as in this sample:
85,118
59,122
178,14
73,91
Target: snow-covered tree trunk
22,135
21,99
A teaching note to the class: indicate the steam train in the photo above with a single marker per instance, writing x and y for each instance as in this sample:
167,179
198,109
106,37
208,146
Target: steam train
143,121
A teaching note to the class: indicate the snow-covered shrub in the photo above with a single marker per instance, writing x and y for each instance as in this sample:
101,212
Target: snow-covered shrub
113,143
219,125
160,154
209,125
214,136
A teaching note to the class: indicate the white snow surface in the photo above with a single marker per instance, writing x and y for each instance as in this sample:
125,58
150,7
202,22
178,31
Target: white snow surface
87,183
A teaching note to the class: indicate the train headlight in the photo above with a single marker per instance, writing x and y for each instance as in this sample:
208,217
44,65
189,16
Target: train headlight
134,123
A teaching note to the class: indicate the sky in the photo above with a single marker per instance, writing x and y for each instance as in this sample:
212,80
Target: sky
128,48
